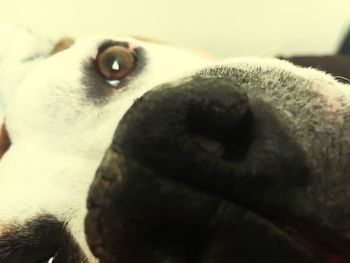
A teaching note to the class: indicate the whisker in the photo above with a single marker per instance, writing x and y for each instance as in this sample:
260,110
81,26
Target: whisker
84,260
342,78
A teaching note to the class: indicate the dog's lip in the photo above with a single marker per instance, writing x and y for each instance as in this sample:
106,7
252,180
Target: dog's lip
327,245
4,140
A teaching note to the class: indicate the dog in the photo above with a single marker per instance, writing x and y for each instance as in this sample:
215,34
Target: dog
160,155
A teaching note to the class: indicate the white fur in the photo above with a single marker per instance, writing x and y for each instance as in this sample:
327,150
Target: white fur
59,137
20,51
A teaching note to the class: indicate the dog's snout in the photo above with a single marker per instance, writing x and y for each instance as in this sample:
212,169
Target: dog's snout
181,154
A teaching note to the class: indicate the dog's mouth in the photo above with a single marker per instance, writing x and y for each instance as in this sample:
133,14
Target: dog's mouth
4,140
326,245
197,176
158,220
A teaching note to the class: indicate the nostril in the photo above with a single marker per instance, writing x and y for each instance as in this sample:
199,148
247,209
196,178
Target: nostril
228,137
210,145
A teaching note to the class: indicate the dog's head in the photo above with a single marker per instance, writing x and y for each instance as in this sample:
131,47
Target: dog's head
236,160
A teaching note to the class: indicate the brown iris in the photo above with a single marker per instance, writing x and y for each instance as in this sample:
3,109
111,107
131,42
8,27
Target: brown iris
115,62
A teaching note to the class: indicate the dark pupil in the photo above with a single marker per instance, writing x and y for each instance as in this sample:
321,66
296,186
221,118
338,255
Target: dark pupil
111,59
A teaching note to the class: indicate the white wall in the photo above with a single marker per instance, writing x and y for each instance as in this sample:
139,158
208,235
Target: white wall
224,27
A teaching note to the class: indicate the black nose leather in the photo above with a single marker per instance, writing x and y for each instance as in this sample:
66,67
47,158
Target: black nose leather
191,167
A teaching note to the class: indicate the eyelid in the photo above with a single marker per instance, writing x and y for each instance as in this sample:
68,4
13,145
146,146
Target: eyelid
110,43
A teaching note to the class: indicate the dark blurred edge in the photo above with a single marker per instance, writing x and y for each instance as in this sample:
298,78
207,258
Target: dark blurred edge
345,46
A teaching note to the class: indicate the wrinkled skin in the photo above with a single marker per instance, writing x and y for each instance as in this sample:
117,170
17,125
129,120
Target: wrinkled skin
242,160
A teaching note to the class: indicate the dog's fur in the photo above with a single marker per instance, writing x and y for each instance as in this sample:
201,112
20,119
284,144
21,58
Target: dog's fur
63,116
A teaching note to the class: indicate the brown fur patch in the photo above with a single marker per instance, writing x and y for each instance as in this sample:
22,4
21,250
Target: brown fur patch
63,44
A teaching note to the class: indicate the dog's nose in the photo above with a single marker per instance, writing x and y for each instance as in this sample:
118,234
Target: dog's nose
188,175
210,134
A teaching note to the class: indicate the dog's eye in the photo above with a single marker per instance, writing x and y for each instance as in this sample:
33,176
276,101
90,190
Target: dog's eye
115,63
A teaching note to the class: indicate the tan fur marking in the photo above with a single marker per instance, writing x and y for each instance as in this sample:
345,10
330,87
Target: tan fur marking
63,44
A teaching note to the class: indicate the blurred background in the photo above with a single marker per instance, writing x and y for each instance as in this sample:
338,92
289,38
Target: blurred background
222,27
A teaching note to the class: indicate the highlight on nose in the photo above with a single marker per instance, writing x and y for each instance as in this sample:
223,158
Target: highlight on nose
188,176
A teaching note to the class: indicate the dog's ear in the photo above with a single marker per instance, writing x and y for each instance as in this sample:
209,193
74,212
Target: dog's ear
62,44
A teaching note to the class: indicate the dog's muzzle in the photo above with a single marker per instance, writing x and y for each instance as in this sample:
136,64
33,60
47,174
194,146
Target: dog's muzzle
194,175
